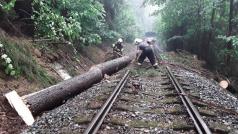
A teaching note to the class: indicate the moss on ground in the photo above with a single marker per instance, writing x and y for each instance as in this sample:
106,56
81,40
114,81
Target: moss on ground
128,99
219,128
181,126
143,124
134,123
101,98
118,121
176,125
175,111
125,108
206,112
170,100
157,111
145,72
82,119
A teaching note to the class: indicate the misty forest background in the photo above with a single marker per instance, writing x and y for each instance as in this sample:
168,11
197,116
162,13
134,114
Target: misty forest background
207,28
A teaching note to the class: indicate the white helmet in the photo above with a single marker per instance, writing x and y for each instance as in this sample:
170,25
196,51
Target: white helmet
120,40
149,41
137,41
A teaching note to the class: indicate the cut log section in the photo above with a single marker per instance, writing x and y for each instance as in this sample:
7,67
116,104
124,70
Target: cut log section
224,84
16,102
54,96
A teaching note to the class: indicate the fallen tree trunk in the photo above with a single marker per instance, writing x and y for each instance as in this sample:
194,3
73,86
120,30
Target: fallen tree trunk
113,66
54,96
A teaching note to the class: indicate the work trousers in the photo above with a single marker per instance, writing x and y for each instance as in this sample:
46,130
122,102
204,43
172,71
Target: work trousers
149,54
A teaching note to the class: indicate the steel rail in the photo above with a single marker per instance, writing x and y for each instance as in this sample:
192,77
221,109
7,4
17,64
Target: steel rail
199,123
98,119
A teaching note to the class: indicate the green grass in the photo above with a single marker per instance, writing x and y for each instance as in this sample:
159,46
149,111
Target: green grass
19,52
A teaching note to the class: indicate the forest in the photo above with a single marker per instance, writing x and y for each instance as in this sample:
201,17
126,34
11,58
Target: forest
85,23
206,27
162,62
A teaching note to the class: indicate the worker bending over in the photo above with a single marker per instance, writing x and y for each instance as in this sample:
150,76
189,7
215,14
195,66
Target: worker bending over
118,48
145,49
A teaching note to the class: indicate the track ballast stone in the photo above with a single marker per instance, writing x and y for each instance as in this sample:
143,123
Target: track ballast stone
152,109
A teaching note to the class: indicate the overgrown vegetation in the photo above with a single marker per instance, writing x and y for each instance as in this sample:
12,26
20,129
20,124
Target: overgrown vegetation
7,5
121,18
6,61
77,22
23,62
205,27
83,21
64,20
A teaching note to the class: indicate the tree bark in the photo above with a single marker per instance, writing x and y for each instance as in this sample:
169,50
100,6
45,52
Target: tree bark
210,35
229,44
199,33
53,96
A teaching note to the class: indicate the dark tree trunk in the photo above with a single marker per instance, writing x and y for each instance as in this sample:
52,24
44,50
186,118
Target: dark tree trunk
210,34
7,25
199,33
110,13
229,44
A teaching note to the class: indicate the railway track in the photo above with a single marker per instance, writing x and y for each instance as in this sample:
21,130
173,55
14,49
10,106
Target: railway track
200,125
165,101
98,119
195,121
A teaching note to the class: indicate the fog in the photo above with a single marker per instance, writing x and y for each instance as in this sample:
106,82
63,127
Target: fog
143,15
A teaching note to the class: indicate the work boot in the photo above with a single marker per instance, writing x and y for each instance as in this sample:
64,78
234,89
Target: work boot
155,65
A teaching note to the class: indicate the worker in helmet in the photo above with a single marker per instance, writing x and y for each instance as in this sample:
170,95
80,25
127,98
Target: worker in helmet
118,48
145,49
138,41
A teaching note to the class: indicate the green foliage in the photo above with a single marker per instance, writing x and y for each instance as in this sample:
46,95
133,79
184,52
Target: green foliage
23,62
200,22
233,39
7,6
121,19
233,52
124,23
6,62
51,24
83,21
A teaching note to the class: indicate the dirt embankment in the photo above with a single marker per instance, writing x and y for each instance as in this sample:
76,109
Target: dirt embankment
44,58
